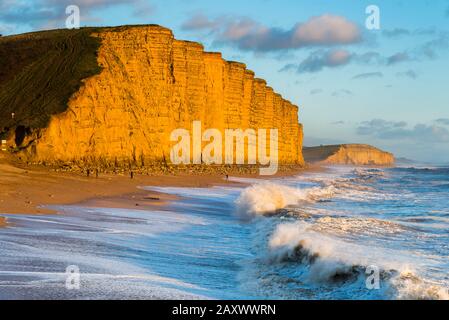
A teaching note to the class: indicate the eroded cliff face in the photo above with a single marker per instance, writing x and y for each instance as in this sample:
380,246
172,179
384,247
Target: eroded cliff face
349,154
152,84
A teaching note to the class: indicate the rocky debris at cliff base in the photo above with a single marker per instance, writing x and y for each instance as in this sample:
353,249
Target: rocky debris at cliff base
155,169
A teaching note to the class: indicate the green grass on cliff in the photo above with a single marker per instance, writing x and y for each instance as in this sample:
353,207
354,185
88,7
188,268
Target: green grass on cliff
39,72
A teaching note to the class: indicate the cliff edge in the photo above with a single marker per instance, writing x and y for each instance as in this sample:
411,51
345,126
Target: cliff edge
348,154
121,109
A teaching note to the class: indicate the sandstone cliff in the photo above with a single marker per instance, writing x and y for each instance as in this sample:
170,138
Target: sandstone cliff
150,84
348,154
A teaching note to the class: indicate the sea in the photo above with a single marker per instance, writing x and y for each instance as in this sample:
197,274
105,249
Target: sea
342,233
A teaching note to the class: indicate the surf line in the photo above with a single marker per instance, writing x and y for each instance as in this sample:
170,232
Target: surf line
189,149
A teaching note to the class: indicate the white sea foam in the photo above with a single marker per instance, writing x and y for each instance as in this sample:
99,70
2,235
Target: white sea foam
324,255
215,192
267,197
326,260
103,242
410,287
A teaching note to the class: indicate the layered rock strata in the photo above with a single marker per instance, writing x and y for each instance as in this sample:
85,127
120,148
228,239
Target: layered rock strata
151,84
349,154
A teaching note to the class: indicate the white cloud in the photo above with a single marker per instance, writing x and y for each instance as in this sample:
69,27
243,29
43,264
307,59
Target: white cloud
247,34
321,59
400,130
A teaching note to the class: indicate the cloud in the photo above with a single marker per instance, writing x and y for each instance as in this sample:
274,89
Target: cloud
400,32
247,34
379,125
408,74
370,57
396,32
368,75
431,48
6,29
341,122
443,121
319,60
316,91
342,92
397,58
51,13
375,58
427,50
200,22
424,32
13,12
325,30
400,130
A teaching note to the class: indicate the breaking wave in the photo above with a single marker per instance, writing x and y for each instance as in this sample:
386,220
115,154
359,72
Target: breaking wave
330,262
267,197
342,226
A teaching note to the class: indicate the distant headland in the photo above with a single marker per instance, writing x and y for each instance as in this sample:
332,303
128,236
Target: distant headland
348,154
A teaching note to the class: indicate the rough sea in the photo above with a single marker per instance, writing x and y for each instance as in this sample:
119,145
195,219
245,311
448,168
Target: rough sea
342,233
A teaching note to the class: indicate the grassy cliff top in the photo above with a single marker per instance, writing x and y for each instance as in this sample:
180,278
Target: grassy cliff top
39,72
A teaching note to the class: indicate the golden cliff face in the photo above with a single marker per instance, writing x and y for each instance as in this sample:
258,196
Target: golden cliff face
152,84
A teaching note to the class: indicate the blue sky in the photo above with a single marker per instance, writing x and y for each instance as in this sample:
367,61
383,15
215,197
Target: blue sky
385,87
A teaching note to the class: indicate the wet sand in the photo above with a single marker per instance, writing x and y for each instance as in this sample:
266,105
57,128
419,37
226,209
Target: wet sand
27,190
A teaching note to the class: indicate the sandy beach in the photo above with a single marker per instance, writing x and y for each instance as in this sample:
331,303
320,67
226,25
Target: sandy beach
27,190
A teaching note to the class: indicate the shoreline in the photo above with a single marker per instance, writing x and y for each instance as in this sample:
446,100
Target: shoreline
29,189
